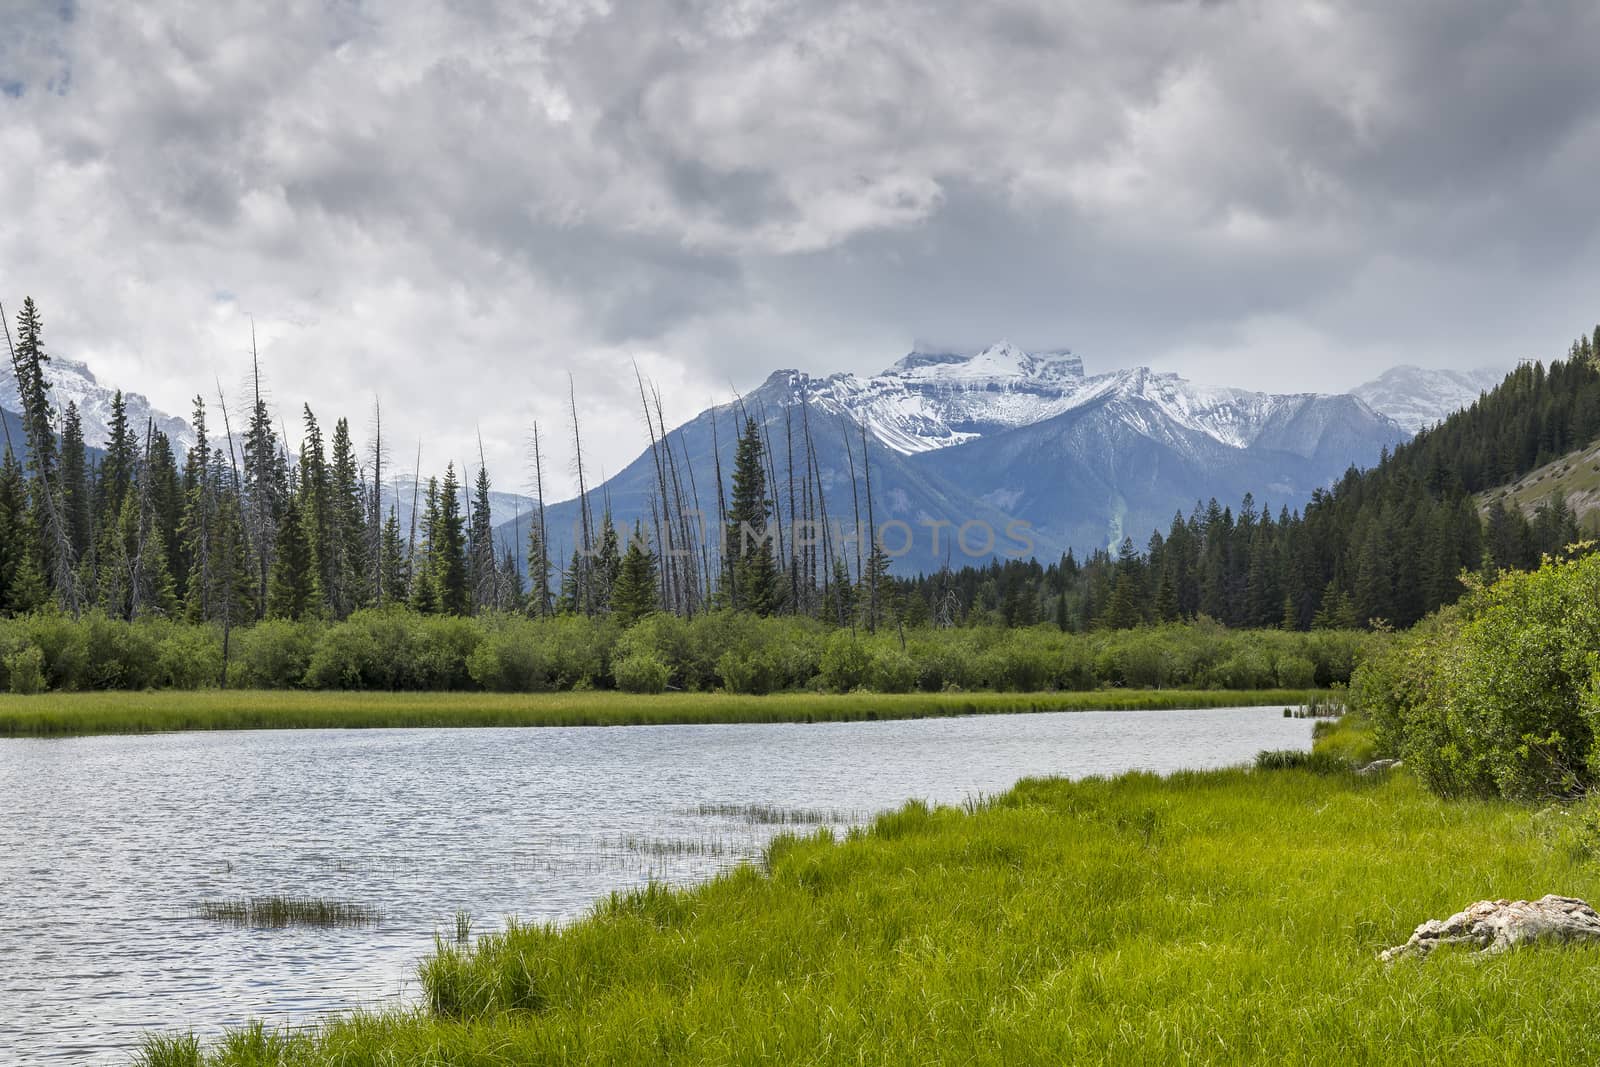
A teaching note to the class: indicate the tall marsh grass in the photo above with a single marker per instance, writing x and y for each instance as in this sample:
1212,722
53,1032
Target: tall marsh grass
277,912
74,714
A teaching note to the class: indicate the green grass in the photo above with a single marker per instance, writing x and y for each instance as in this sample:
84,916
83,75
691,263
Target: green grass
277,912
75,714
1220,917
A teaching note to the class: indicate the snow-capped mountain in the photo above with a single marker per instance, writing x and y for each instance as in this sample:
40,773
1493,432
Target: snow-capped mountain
1005,435
929,401
74,382
1419,397
934,400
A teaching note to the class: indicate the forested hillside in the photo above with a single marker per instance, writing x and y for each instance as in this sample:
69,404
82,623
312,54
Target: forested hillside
1382,546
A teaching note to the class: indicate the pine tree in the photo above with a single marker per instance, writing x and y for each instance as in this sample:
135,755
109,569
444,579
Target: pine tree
1125,610
33,390
448,548
751,574
165,506
293,589
635,592
1166,606
482,568
423,583
77,492
118,467
348,568
22,586
266,491
392,560
875,598
606,567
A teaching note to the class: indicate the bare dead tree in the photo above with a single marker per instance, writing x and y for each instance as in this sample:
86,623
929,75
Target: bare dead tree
794,534
680,515
583,594
855,495
375,514
411,543
541,583
872,532
668,580
722,501
244,530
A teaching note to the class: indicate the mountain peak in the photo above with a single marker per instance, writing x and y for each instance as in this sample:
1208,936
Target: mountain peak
1419,397
1000,365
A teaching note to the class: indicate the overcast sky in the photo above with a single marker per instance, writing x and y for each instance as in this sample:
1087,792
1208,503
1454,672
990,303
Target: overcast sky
453,205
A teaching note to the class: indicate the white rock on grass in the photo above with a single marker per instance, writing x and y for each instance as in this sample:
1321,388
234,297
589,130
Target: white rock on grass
1498,925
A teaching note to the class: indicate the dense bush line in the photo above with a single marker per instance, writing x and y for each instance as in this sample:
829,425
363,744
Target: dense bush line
402,650
1497,695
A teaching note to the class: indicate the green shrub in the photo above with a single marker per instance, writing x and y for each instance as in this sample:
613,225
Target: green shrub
1295,672
189,657
641,672
273,654
743,672
845,662
891,671
25,670
1247,668
510,659
442,646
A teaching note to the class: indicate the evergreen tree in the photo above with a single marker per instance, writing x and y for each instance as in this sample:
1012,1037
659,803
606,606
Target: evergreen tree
483,571
448,549
875,578
424,585
392,557
22,587
266,493
293,590
28,360
1127,593
348,568
165,508
77,492
635,592
751,573
606,567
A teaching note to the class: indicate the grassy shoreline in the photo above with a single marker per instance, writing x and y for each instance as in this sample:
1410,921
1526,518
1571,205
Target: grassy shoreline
163,711
1230,917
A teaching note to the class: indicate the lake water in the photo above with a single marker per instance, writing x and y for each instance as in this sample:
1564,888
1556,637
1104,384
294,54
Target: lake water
108,845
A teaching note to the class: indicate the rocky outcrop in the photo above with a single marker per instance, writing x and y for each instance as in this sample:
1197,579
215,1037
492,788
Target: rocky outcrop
1497,925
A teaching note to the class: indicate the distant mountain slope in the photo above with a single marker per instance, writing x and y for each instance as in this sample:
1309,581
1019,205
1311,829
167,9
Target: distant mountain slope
1419,397
1121,465
1576,476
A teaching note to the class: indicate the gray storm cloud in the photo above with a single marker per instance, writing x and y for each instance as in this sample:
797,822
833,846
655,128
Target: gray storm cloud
455,206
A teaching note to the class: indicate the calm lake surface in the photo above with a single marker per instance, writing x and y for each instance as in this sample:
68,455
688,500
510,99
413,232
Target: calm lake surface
108,845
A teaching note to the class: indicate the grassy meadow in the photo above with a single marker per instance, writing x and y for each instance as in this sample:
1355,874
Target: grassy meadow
1221,917
75,714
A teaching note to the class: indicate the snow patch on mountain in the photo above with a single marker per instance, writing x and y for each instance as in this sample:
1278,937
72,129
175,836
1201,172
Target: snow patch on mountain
934,400
1419,397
